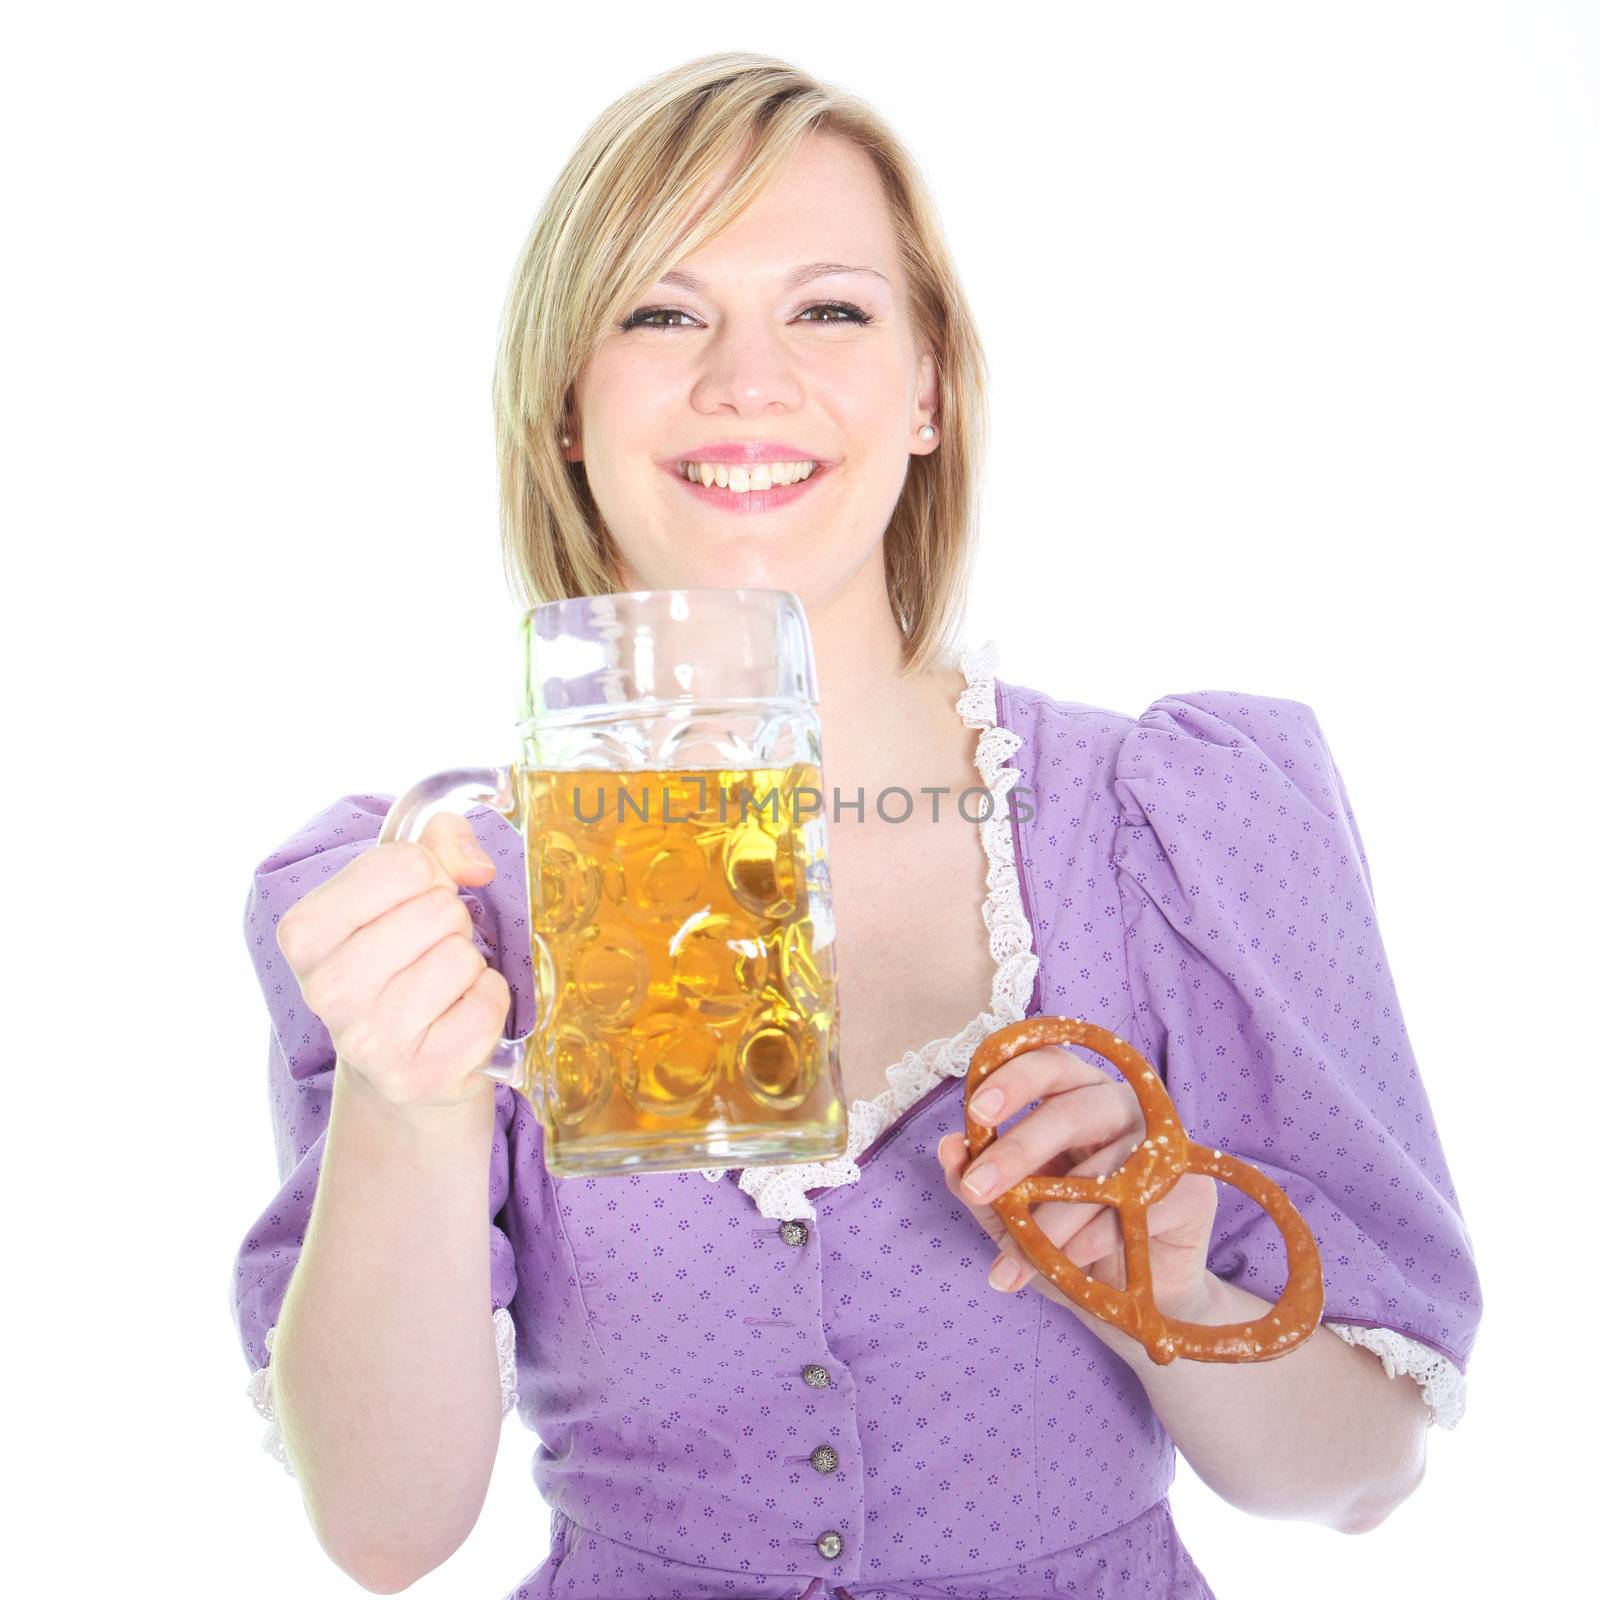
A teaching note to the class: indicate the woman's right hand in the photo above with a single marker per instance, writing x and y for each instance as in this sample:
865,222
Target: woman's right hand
383,954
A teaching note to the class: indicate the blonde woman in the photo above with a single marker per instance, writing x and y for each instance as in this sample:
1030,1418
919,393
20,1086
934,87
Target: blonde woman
736,352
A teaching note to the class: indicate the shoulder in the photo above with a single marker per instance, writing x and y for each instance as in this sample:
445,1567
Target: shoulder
1085,771
1253,728
1054,732
348,823
1234,746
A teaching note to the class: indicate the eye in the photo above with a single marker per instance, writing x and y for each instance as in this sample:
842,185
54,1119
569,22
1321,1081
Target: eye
642,318
851,313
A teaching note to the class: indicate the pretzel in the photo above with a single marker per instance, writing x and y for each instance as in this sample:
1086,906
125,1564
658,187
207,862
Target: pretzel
1147,1174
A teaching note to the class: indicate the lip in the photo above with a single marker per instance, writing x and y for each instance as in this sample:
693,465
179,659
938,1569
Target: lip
737,452
753,499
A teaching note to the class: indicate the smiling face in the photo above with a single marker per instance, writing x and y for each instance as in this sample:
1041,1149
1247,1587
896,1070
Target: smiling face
734,354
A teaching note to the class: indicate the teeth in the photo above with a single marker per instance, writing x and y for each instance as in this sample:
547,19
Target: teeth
742,479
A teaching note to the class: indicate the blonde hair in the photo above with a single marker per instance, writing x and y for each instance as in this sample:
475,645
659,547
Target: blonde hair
619,214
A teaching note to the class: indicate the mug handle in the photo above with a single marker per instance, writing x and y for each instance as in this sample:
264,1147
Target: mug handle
459,789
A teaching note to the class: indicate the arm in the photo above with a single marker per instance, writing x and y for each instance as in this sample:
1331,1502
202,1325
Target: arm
1260,987
385,1376
1322,1434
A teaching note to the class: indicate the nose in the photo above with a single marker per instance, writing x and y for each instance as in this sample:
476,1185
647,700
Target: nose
748,371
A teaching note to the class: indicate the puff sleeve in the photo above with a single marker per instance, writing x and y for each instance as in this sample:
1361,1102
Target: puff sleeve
300,1066
1261,990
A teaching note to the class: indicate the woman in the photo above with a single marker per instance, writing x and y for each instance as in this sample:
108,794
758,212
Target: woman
795,1381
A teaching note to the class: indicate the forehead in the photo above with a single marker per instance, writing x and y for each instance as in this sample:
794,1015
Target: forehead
828,206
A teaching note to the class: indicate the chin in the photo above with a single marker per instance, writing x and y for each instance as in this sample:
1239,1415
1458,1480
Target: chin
738,564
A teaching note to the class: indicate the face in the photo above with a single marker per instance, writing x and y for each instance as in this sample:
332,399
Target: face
738,360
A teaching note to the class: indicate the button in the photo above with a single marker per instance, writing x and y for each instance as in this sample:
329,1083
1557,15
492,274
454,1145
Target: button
830,1545
793,1232
816,1376
825,1458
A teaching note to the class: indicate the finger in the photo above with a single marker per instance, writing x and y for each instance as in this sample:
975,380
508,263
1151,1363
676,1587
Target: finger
952,1157
413,1000
353,974
1028,1076
374,882
451,838
1063,1219
1095,1229
1186,1213
1076,1119
1086,1234
1092,1242
475,1020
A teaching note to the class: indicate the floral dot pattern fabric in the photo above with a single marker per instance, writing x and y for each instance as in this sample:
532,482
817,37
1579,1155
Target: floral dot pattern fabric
834,1405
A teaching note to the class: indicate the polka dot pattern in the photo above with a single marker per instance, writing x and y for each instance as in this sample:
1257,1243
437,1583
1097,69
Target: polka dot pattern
714,1392
1260,984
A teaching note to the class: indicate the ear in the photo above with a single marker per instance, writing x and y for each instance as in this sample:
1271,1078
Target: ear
568,425
927,403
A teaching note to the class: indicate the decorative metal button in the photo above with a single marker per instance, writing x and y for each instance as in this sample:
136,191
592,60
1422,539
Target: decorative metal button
816,1376
825,1458
830,1545
792,1232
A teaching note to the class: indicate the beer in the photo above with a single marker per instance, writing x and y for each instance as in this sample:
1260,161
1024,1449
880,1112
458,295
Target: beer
682,940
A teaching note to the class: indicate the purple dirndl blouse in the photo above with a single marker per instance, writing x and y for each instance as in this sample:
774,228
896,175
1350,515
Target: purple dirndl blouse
794,1381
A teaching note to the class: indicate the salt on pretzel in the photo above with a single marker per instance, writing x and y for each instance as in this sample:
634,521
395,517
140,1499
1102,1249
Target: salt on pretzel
1147,1174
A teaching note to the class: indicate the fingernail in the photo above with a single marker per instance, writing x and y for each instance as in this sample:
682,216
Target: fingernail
1005,1275
979,1180
476,857
987,1103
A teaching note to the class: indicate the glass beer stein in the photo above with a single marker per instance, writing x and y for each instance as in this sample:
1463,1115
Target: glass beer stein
668,790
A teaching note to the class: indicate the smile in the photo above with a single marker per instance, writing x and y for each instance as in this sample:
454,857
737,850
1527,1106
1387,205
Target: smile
752,488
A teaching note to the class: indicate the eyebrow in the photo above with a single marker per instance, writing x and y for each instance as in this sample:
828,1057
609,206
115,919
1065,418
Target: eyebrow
799,275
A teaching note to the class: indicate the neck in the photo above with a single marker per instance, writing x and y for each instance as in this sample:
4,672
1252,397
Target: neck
881,723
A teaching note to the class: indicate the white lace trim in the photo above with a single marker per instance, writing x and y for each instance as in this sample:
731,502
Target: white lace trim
1443,1384
259,1388
779,1191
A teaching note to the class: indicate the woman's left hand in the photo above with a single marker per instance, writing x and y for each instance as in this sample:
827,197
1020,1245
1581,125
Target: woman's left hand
1089,1121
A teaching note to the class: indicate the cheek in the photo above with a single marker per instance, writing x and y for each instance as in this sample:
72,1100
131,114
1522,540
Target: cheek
867,398
626,401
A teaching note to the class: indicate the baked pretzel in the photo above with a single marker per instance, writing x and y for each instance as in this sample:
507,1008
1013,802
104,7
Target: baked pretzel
1147,1174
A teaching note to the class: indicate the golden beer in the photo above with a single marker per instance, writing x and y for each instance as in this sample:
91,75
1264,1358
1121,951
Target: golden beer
681,928
667,788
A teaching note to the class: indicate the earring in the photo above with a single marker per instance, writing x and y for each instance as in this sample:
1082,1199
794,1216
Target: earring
925,431
566,438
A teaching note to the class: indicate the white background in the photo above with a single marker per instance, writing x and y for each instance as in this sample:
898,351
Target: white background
1291,312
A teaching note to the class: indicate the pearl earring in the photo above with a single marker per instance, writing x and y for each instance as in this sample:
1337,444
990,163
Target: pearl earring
925,431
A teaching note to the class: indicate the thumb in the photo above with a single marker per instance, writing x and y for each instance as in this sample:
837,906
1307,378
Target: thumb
449,836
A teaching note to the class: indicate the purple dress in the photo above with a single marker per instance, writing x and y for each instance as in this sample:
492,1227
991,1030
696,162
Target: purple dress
795,1381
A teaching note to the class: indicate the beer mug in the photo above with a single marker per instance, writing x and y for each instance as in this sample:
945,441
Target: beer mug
668,790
